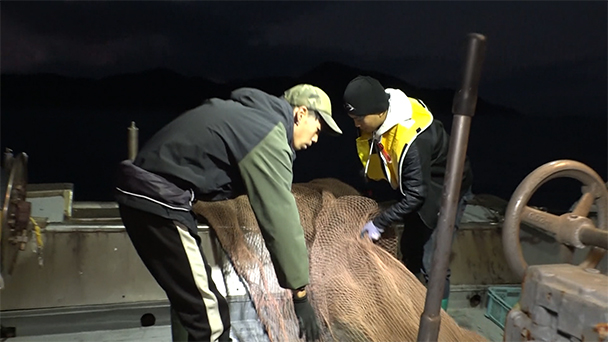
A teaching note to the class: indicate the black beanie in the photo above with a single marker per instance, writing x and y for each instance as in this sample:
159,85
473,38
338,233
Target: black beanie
364,95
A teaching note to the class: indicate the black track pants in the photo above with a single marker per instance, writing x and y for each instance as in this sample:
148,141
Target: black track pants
171,252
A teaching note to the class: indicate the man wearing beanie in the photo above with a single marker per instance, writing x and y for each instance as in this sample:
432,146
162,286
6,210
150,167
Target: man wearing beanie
400,142
216,151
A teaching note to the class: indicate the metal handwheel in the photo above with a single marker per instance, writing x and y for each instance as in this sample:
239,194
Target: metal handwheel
15,212
573,229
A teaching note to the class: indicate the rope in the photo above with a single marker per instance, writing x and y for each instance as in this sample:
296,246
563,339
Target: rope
37,231
39,242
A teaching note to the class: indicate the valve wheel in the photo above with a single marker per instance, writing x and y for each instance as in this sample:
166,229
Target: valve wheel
15,211
573,229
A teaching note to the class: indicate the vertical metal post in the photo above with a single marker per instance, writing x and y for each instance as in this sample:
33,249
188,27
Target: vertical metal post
133,139
8,161
463,109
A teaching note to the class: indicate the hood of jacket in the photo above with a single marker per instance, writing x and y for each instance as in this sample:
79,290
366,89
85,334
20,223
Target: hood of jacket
257,99
399,112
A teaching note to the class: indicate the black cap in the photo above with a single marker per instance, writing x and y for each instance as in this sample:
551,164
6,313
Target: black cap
364,95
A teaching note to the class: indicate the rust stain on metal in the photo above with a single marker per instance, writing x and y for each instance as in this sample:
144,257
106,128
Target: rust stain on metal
602,330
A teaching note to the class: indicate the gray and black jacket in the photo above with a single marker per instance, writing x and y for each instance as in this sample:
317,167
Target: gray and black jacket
220,150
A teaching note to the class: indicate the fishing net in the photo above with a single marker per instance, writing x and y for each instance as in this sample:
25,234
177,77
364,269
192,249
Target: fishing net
359,289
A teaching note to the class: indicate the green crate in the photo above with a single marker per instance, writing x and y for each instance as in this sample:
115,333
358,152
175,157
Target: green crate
501,300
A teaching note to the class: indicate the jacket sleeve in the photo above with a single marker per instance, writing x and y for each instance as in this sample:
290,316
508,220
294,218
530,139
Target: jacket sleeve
267,174
415,177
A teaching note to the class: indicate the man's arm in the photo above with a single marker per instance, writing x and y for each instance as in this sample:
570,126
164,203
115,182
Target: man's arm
415,177
267,174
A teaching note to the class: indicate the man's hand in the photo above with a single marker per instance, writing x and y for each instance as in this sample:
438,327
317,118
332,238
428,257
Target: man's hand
372,231
306,316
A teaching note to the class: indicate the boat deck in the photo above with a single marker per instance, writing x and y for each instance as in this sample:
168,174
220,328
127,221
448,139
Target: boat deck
470,318
123,322
69,298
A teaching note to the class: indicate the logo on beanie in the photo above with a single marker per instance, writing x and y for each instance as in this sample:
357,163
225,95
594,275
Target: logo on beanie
349,108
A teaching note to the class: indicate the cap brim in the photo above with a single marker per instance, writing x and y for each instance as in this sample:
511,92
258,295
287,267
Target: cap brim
330,123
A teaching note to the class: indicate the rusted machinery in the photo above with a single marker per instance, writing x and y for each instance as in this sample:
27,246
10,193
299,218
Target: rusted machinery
16,226
560,302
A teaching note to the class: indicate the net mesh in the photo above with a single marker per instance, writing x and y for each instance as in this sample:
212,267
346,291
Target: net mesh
359,289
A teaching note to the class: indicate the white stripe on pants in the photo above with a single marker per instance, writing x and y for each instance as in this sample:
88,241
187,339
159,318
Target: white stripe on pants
197,266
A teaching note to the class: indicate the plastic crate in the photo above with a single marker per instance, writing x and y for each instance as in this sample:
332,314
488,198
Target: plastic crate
500,301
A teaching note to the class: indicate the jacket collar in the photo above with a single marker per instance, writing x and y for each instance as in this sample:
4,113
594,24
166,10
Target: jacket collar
399,111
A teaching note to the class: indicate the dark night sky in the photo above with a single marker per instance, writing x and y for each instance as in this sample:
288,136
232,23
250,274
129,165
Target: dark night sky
546,57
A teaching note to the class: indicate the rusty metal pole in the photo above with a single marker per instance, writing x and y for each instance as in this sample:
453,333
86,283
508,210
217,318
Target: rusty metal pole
133,140
463,109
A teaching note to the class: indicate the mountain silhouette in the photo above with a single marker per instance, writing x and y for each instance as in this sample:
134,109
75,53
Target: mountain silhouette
165,88
75,129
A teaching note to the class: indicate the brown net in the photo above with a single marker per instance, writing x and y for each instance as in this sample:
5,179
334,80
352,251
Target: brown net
359,290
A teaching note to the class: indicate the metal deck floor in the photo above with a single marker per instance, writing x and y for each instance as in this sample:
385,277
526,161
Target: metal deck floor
474,319
470,318
148,334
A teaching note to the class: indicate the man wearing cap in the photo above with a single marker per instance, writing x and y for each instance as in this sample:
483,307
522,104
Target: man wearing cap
217,151
400,142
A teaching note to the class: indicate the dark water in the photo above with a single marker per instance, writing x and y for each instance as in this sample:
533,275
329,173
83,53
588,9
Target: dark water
83,147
